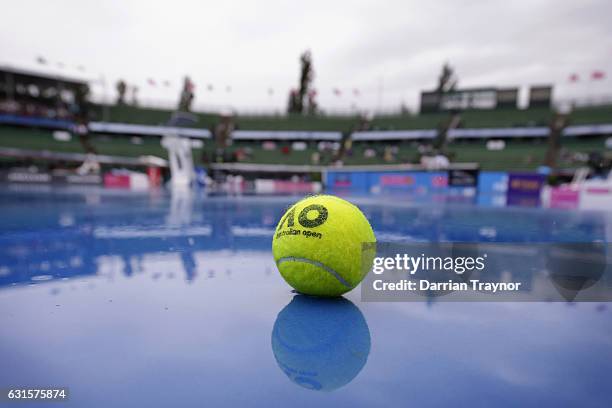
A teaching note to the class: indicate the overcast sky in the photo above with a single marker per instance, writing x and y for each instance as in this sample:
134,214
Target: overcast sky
389,50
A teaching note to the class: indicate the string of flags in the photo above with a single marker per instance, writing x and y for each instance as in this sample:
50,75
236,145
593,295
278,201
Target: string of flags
43,61
154,83
595,75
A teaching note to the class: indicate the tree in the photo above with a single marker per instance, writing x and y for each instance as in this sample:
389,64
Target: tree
312,103
558,123
134,96
187,95
81,113
297,98
446,81
121,90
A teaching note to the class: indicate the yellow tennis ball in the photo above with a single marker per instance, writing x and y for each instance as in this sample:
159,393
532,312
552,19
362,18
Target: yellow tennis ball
318,246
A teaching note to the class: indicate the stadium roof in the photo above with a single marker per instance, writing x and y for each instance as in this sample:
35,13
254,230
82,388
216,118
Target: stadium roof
44,74
482,133
148,130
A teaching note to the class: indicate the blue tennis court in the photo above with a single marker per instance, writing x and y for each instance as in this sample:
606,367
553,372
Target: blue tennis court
174,300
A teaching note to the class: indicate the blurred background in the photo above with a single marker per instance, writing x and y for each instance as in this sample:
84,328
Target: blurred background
272,97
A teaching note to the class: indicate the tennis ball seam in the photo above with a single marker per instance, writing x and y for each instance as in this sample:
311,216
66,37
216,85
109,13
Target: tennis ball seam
317,264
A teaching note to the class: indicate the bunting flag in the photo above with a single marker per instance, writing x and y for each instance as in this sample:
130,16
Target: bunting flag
337,92
166,83
597,75
356,92
209,87
151,82
41,60
574,78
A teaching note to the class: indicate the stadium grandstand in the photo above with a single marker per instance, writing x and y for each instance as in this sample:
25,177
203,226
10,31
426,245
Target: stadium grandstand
48,120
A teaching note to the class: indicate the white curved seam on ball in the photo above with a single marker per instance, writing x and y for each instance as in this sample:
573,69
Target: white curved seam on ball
315,263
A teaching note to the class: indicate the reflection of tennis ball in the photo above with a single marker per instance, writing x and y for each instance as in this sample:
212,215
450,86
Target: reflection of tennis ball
317,246
321,344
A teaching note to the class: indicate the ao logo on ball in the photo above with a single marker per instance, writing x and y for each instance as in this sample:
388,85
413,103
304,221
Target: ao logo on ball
303,217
